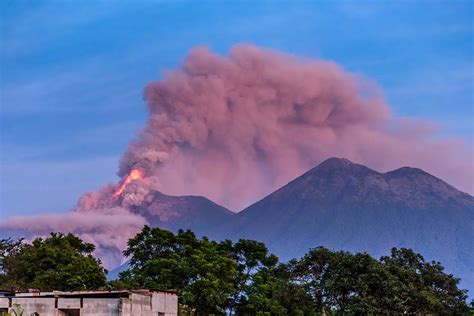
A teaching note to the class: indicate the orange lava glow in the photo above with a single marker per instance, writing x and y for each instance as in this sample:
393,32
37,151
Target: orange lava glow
134,175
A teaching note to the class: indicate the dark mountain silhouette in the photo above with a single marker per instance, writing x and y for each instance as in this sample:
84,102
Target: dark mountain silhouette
183,212
347,206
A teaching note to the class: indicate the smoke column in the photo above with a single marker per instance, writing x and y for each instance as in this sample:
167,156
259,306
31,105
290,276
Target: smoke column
235,128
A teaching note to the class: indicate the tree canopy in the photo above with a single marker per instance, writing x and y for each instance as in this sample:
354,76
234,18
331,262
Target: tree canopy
58,262
210,277
240,277
359,284
244,278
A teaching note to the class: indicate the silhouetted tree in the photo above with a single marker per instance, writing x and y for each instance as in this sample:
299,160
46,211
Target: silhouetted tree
201,271
59,262
423,286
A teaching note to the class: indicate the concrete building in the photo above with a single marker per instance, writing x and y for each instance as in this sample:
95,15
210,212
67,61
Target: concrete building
98,303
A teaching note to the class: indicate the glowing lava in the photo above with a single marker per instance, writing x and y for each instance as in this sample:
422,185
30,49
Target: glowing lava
134,175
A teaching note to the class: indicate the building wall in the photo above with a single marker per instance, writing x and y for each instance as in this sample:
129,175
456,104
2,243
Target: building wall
125,307
137,304
45,306
69,303
100,307
150,305
90,306
4,302
166,303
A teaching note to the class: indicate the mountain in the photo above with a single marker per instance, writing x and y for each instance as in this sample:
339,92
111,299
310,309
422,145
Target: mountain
182,212
347,206
344,206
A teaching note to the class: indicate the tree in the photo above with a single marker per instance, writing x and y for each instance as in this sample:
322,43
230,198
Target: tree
256,281
425,287
59,262
292,294
9,249
210,277
244,277
359,284
200,270
260,295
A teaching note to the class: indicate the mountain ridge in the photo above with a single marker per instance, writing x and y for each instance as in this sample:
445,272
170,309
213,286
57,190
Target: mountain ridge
182,212
347,206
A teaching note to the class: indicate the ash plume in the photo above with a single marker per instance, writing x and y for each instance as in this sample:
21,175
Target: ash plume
108,229
236,128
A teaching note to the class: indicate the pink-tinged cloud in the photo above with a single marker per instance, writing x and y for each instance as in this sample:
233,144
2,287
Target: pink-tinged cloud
108,229
235,128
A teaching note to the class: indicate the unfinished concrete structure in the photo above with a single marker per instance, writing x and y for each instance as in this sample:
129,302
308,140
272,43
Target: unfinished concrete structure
99,303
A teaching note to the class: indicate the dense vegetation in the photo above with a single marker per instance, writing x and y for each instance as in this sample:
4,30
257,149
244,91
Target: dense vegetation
59,262
242,277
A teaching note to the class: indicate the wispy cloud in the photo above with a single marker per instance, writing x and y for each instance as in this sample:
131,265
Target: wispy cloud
51,20
442,81
68,89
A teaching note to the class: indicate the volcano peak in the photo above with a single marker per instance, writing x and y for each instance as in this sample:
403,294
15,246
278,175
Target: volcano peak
334,163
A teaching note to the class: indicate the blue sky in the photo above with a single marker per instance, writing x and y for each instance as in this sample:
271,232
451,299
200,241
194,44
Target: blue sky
72,73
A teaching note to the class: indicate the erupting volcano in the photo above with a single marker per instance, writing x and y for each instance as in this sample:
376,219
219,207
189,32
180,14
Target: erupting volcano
134,175
234,129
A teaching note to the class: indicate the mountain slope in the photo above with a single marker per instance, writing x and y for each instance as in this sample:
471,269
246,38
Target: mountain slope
343,205
182,212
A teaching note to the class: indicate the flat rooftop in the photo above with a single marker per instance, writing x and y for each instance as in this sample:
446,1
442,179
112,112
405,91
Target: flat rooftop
90,294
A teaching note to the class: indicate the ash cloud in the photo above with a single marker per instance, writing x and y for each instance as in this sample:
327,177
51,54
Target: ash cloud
236,128
108,229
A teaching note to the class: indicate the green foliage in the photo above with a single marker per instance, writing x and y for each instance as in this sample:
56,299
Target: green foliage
254,282
200,271
359,284
423,286
9,250
210,277
242,277
245,279
59,262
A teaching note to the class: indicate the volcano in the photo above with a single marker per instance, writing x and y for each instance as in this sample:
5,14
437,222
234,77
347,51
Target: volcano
182,212
347,206
344,206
